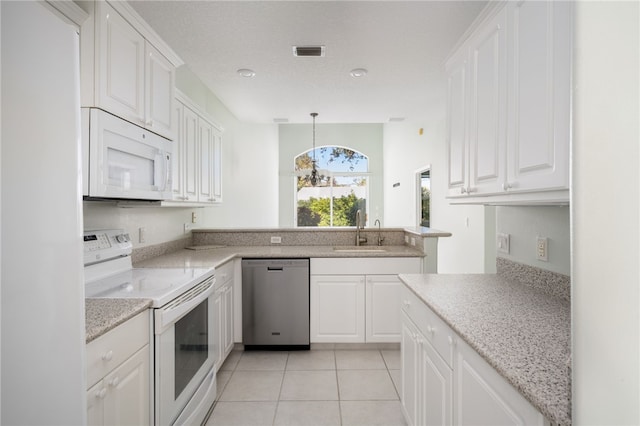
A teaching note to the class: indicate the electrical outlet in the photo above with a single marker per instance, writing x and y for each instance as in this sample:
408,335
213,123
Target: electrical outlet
503,243
413,241
276,240
187,228
542,252
406,239
194,217
142,235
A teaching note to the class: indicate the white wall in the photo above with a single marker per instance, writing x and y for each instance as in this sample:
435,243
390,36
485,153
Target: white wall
297,138
406,152
524,224
605,215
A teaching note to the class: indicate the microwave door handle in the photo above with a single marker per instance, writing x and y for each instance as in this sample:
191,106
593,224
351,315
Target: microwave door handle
167,174
157,171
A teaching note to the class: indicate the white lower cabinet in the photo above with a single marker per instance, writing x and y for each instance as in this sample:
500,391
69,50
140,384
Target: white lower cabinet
427,380
357,300
445,382
223,306
484,397
119,375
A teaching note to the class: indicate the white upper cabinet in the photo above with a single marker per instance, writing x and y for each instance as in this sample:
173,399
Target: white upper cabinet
123,72
509,107
197,155
539,95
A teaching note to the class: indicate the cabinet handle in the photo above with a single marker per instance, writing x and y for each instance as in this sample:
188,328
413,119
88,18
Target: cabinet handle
114,382
506,186
452,342
463,190
431,330
107,356
406,304
101,393
470,190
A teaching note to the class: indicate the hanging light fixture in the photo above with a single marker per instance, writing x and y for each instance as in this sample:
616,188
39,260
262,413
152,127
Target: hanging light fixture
314,178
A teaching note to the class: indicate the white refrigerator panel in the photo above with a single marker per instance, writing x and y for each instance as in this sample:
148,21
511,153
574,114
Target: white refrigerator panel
42,293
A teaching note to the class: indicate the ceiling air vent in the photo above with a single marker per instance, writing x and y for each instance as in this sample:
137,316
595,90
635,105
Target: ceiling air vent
308,50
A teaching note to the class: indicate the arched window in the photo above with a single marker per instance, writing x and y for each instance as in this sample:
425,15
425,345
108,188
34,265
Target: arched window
343,188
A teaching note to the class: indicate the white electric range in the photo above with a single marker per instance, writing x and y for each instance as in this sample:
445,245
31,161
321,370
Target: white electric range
184,331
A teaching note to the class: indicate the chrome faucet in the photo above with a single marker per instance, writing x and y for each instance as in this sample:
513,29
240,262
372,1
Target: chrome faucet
359,239
380,237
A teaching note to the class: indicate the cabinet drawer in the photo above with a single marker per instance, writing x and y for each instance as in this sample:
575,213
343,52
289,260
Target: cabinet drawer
224,273
437,332
111,349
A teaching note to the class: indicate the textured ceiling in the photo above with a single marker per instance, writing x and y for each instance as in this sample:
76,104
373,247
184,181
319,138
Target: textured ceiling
401,44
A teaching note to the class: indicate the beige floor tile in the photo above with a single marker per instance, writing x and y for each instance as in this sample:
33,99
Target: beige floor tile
222,378
231,361
359,360
396,377
259,360
242,414
308,413
391,359
311,360
365,385
371,413
253,386
309,386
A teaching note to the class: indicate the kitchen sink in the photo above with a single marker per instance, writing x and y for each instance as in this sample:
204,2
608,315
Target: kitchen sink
359,249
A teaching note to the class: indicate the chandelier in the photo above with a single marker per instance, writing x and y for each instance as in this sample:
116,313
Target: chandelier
315,177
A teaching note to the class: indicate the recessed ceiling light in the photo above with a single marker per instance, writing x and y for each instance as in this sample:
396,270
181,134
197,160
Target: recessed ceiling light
246,72
358,72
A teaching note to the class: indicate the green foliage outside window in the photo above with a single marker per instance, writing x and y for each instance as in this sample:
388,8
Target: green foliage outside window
317,211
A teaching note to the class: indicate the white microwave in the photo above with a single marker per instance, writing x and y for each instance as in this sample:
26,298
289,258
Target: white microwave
122,160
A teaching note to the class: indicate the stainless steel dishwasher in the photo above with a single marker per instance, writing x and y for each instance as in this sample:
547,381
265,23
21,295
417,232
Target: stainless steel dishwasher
275,304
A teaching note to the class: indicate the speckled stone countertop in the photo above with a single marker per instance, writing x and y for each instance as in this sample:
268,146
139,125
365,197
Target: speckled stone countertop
522,332
216,256
102,315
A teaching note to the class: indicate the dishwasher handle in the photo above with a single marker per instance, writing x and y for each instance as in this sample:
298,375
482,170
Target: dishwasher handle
275,268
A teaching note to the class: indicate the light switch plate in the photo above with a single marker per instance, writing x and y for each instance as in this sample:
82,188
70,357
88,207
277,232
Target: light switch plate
503,243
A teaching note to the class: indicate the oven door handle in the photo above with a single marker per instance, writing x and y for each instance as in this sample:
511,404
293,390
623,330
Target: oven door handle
182,305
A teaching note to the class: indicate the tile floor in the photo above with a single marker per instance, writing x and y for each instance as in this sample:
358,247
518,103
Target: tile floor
317,387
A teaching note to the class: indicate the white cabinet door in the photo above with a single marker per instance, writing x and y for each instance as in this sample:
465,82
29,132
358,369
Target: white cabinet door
178,166
159,93
120,71
205,152
437,386
219,318
457,146
227,308
192,162
488,106
95,404
382,309
217,167
483,397
409,353
337,309
539,95
127,399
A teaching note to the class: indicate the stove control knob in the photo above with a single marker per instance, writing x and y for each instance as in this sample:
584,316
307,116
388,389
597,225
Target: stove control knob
122,238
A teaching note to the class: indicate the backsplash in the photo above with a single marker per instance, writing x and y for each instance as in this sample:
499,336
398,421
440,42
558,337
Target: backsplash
552,283
147,252
295,237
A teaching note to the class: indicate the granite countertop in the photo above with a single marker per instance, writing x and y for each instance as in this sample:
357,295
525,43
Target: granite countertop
102,315
218,255
522,332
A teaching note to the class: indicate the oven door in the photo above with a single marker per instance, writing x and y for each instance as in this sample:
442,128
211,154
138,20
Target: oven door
185,352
